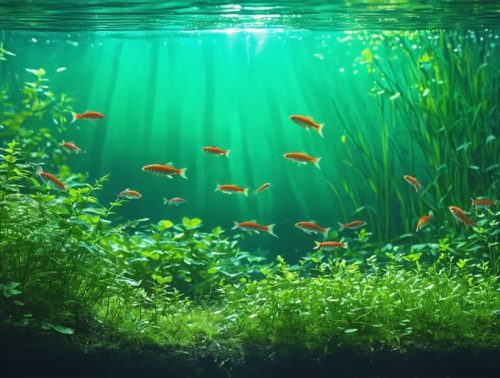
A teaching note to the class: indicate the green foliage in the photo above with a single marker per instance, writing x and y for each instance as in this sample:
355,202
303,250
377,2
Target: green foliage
437,95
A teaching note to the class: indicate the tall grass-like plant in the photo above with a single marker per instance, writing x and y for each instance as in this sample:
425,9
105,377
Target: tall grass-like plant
437,94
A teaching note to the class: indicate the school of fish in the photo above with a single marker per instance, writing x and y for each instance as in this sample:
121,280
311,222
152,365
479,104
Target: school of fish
302,158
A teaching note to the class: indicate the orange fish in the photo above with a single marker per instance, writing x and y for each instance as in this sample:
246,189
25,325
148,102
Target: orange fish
165,170
130,194
174,201
71,146
483,202
459,214
413,181
352,225
422,221
308,123
88,116
329,245
302,158
252,226
216,151
50,177
312,228
262,187
230,189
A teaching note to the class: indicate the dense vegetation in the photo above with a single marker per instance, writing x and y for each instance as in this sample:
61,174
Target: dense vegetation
68,266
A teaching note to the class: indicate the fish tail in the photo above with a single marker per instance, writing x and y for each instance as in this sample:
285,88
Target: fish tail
316,162
165,201
245,192
341,225
317,245
346,245
270,230
182,173
327,231
74,117
320,129
469,222
39,171
236,224
216,188
227,153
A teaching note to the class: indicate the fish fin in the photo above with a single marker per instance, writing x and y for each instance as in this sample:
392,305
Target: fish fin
346,245
327,231
236,224
316,163
38,171
169,177
182,173
317,245
169,163
270,230
245,192
165,201
74,117
227,153
341,225
320,129
217,188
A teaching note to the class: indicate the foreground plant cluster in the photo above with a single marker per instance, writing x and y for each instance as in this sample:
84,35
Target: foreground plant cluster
67,265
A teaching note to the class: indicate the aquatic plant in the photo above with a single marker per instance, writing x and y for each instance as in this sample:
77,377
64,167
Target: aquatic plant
440,107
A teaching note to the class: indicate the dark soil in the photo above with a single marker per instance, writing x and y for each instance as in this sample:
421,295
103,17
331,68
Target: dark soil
26,354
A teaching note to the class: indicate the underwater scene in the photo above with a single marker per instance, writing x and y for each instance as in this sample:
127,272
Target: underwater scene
241,189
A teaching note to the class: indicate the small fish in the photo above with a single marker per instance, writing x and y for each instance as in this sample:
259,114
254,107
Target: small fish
262,188
459,214
329,245
252,226
214,150
319,56
308,123
422,221
176,201
412,181
310,227
481,203
165,170
230,189
130,194
302,158
352,225
50,177
88,116
71,146
61,69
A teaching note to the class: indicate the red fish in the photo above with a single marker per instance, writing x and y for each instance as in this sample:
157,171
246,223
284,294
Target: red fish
50,177
216,151
422,221
413,181
308,123
483,202
71,146
165,170
302,158
352,225
330,245
255,227
89,116
130,194
230,189
459,214
311,227
176,201
262,188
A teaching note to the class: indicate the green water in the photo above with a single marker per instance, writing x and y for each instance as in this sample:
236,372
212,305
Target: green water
166,95
402,88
